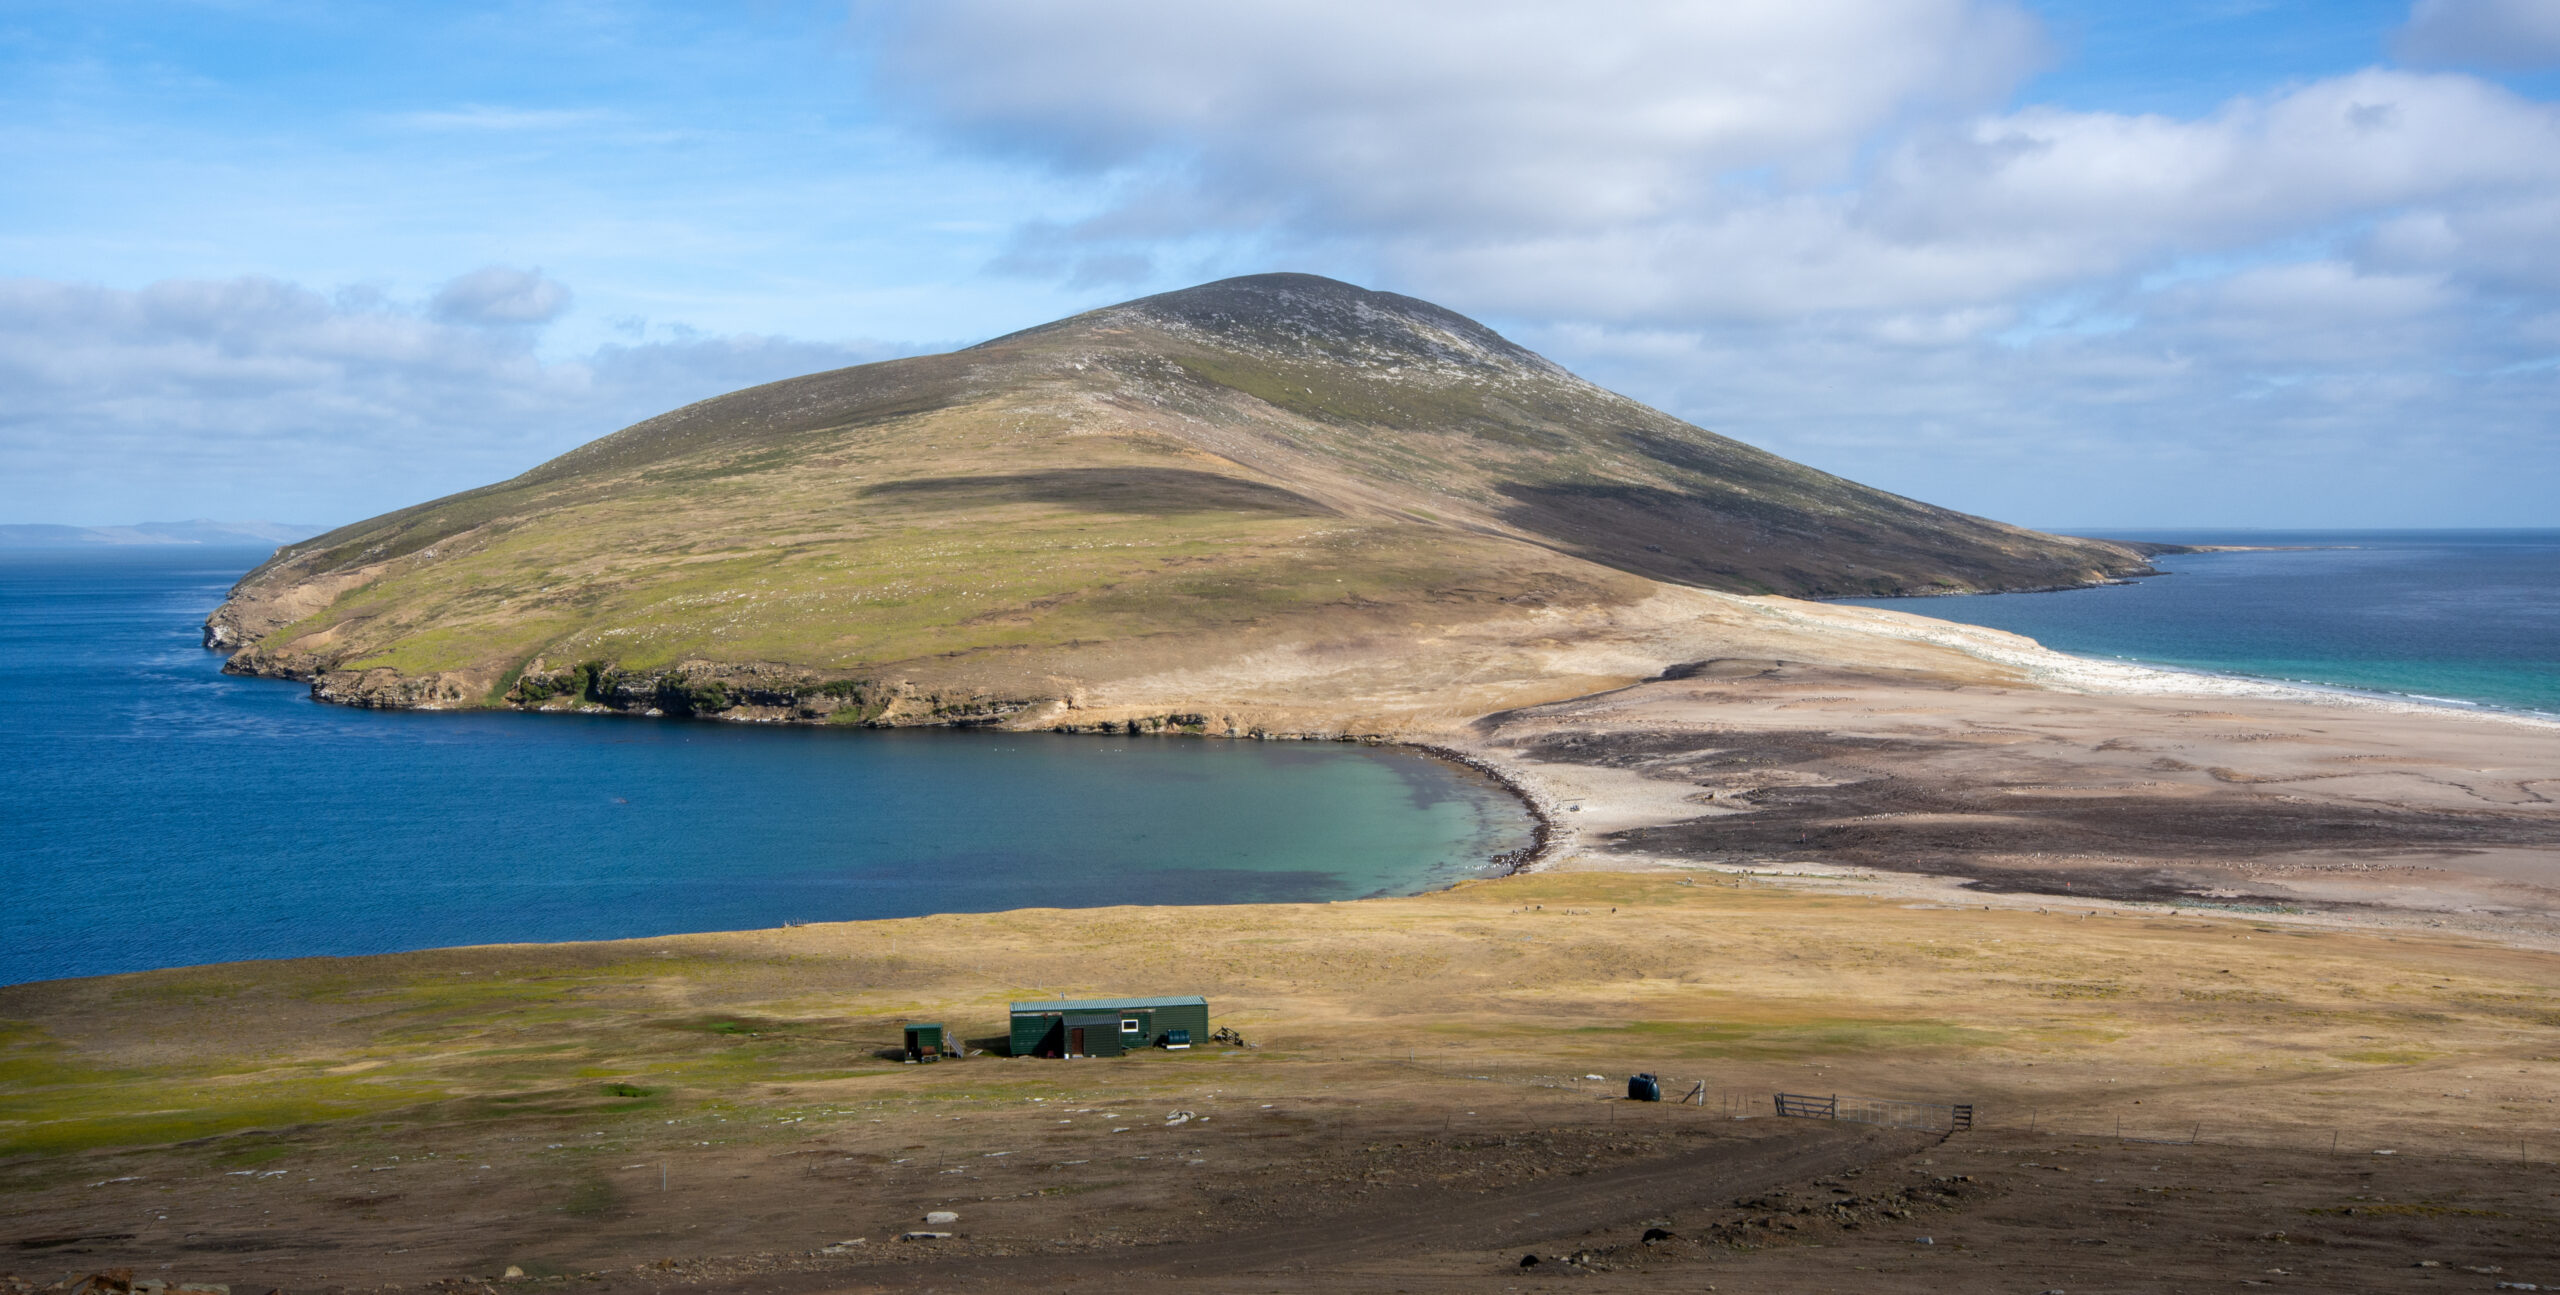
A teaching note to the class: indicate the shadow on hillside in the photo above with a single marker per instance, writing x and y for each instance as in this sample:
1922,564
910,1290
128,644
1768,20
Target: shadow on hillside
1103,490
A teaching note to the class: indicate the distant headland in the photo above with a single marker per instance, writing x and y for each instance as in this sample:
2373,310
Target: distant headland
1270,504
201,530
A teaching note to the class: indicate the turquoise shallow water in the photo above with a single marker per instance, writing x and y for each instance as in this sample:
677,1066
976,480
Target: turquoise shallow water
2461,616
154,812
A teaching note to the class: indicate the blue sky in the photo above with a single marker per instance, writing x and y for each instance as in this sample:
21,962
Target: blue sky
2068,263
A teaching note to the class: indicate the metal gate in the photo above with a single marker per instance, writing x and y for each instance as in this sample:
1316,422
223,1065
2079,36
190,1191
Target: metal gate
1876,1110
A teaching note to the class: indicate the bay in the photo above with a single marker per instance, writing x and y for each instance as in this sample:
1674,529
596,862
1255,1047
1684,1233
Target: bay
2459,616
155,812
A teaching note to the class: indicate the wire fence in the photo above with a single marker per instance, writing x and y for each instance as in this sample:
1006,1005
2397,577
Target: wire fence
2521,1144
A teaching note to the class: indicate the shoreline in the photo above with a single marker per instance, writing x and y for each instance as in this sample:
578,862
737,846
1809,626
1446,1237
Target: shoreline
2076,672
1554,837
1547,832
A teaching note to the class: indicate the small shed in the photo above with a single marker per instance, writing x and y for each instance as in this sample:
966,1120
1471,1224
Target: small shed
924,1041
1107,1027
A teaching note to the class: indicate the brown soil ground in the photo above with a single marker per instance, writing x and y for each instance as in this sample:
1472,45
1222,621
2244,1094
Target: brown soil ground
2351,812
710,1112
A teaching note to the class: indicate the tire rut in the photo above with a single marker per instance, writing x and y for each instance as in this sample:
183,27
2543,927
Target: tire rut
1430,1221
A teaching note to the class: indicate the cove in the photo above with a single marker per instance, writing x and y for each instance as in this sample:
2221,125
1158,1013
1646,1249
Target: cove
159,813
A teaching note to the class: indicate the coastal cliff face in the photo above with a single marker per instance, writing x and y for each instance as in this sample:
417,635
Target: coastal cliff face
1283,499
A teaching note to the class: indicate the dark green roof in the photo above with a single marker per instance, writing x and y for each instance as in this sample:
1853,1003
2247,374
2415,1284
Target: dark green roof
1038,1005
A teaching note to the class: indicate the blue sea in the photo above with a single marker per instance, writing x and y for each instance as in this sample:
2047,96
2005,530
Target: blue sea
2468,617
155,812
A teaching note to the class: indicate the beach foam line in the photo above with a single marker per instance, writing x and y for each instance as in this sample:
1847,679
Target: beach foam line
2064,672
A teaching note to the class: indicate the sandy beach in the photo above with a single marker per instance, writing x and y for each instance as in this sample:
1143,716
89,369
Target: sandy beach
2087,780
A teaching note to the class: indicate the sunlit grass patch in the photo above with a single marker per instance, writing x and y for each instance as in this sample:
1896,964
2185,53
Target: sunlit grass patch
1799,1039
166,1109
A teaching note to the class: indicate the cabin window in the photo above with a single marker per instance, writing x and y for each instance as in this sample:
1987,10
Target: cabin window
1128,1025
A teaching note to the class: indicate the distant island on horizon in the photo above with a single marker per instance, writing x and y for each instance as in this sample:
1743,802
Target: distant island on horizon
201,530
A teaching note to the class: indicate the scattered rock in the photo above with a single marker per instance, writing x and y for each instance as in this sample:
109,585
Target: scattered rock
942,1216
924,1236
1528,1261
1652,1235
512,1274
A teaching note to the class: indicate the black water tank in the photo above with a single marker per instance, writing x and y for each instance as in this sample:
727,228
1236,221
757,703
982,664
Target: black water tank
1644,1088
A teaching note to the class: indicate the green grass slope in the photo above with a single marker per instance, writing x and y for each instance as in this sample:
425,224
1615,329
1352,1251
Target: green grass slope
1167,482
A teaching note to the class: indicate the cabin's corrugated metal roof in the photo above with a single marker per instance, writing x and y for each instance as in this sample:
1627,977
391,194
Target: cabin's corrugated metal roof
1105,1004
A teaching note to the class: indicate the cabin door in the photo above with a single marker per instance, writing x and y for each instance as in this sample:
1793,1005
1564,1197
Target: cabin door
1075,1041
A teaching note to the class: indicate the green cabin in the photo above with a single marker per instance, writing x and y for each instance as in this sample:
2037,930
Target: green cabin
1108,1027
924,1041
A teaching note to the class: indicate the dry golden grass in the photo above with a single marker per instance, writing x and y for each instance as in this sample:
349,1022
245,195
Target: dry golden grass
2282,1032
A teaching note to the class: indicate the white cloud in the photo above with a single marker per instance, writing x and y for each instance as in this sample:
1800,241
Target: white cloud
1474,116
1660,162
496,294
2041,196
1829,225
124,404
1826,226
2517,34
2257,411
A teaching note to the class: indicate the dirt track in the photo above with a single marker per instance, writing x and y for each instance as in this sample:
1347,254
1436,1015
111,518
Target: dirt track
1451,1225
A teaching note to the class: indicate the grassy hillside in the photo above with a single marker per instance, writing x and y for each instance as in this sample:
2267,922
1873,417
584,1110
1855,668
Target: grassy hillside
1177,481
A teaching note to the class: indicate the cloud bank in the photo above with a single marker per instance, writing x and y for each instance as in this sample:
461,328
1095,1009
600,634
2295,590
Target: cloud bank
1927,243
1824,226
307,406
496,294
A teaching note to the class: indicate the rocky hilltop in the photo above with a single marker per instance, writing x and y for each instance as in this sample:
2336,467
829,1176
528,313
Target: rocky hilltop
1275,503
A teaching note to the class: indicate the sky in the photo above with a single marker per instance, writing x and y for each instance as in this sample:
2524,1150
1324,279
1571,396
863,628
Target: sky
2070,263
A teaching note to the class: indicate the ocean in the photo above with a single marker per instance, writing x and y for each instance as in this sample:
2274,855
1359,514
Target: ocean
156,812
2466,617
